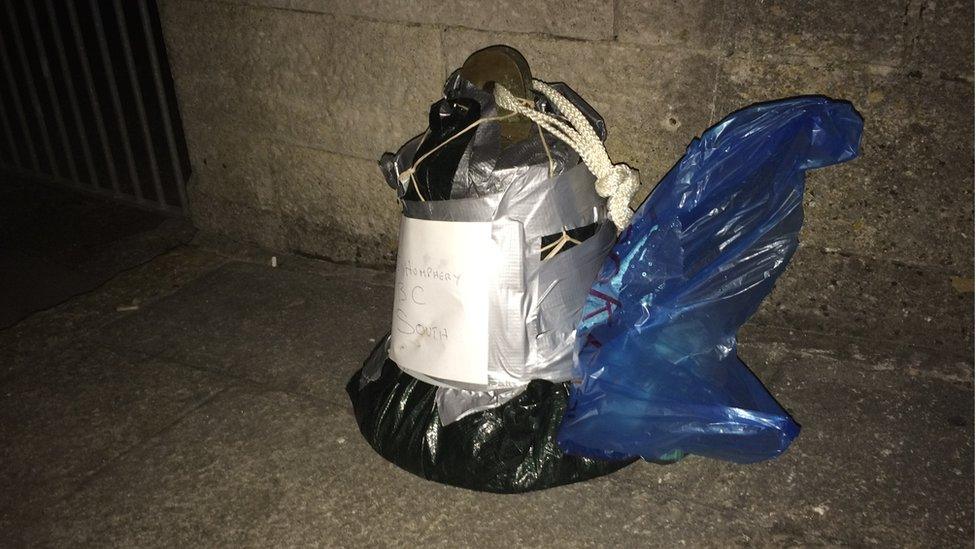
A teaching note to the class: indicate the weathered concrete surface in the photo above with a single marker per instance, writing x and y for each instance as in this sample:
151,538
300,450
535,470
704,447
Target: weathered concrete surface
25,344
89,404
320,214
581,19
278,128
942,25
215,415
288,103
872,31
326,80
897,303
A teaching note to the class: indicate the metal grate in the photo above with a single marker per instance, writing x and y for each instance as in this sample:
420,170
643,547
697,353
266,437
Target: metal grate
87,99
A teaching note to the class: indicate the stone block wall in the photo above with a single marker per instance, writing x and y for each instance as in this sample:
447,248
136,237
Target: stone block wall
287,104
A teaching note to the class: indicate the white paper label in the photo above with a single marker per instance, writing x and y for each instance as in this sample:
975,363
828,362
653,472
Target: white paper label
440,310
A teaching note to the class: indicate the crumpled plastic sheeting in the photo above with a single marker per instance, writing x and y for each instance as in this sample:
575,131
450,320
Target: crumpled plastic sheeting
658,372
508,449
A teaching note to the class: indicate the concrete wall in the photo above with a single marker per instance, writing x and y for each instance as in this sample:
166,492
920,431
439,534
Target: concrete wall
287,105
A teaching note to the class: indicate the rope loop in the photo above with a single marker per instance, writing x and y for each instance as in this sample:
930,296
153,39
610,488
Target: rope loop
615,182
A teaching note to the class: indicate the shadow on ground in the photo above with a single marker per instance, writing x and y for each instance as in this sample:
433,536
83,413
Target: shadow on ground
57,243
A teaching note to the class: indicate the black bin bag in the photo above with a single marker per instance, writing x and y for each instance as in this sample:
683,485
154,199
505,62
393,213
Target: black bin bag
508,449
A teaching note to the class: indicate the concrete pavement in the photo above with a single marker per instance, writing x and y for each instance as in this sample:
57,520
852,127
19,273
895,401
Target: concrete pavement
214,414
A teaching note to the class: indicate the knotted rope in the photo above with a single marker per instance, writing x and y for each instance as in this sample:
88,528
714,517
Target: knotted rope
615,182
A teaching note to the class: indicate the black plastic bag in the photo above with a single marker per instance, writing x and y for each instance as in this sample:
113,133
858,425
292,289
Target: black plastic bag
508,449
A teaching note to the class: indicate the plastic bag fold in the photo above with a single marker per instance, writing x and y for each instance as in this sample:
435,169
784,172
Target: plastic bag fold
657,371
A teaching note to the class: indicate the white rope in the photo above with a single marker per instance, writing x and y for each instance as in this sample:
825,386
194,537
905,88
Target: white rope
615,182
558,245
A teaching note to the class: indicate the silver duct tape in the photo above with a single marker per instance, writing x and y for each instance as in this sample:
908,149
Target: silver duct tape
559,288
393,164
508,302
453,403
373,366
546,205
460,209
558,291
542,204
534,305
486,168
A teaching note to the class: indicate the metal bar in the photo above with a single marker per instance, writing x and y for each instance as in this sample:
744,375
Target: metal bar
19,106
52,92
29,78
93,98
140,105
116,102
174,152
72,96
94,191
9,136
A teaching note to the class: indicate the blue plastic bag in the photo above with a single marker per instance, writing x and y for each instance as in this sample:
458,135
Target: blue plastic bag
659,376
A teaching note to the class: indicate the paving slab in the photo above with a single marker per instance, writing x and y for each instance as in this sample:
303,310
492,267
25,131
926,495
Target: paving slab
293,330
208,480
271,469
36,337
64,421
884,456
